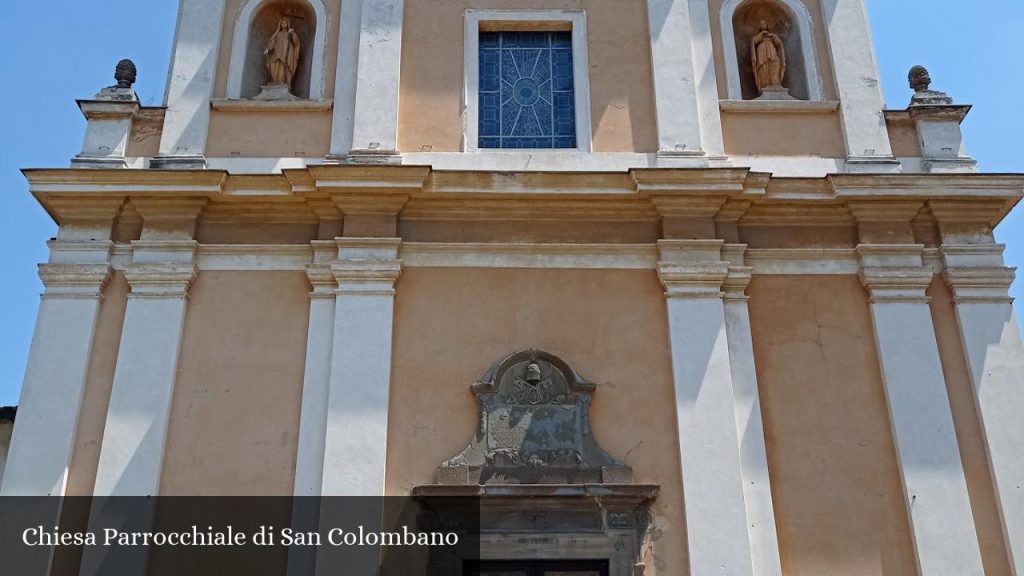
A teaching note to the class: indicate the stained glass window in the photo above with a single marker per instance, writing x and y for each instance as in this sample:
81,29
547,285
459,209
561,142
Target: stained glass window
526,90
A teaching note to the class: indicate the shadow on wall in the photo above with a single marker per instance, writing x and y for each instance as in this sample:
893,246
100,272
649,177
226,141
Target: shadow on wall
7,414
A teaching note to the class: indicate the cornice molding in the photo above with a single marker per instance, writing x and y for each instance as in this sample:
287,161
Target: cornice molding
732,194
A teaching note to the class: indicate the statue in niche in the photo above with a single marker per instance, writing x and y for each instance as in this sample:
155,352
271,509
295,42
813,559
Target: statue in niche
282,56
768,55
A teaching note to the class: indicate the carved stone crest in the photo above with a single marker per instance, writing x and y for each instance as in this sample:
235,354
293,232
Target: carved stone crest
534,428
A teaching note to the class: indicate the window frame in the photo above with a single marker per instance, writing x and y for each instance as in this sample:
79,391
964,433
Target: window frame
525,21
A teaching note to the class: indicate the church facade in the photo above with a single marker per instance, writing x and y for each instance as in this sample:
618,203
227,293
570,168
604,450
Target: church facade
671,263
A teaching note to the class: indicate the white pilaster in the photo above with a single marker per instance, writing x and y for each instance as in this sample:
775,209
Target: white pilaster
990,333
360,376
757,491
692,272
345,79
859,85
132,453
190,84
677,106
58,364
309,465
309,461
375,122
706,82
935,489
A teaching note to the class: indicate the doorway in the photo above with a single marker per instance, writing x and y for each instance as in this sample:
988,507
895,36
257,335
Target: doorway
538,568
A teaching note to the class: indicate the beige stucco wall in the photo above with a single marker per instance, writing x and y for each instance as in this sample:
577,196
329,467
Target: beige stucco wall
783,134
621,89
968,432
269,134
903,136
99,380
452,324
798,236
835,479
144,139
235,412
539,231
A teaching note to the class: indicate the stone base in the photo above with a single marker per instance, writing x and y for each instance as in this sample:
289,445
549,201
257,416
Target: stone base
374,156
101,162
276,92
931,98
117,94
775,93
683,159
191,162
873,165
950,165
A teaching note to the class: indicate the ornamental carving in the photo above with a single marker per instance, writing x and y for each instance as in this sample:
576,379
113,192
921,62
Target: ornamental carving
534,428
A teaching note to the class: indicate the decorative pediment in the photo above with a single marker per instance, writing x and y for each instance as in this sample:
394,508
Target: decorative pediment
534,428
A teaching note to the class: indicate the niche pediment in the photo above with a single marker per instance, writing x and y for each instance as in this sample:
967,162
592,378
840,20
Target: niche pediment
533,428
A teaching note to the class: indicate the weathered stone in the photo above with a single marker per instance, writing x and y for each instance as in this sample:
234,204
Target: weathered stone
534,428
125,74
921,81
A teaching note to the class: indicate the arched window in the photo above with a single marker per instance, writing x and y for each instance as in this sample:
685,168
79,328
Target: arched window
257,22
741,20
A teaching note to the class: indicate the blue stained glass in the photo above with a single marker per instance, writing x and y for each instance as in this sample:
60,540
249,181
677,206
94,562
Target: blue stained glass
526,97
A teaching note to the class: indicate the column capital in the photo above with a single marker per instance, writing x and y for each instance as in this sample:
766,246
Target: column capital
697,280
894,272
159,280
692,268
982,284
322,280
736,282
74,281
977,273
319,273
367,266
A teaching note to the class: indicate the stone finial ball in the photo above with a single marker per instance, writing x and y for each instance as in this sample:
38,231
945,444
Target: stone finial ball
920,79
125,73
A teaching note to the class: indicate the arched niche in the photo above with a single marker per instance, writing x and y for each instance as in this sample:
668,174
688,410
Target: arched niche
791,21
257,22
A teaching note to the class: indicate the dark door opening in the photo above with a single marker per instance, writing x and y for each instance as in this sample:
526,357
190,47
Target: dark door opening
538,568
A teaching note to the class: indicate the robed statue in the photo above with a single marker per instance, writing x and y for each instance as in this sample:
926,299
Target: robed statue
282,54
769,59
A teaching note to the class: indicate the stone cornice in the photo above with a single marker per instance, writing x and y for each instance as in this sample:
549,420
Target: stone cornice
729,194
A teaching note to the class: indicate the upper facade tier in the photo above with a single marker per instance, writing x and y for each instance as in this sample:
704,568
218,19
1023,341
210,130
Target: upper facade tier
783,86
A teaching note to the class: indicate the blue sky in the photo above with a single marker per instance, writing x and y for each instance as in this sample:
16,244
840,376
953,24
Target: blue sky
972,49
